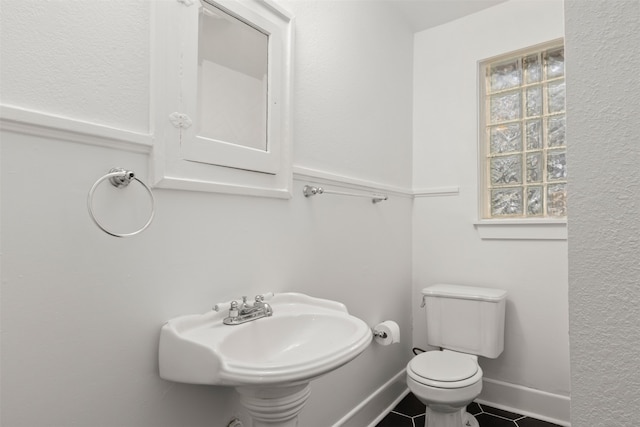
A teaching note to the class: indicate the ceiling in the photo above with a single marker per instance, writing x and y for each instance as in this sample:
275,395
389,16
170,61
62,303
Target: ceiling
423,14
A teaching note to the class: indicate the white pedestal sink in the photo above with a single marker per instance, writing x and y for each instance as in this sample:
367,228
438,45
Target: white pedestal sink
270,360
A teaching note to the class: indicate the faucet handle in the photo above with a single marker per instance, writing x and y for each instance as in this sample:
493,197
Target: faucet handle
259,298
233,309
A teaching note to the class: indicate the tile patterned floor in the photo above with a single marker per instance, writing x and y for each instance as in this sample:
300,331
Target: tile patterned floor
410,413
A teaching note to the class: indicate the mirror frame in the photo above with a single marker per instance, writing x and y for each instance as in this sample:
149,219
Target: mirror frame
180,158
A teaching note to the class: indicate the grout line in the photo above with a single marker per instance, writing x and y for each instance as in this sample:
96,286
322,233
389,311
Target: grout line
404,415
520,419
482,411
502,418
414,418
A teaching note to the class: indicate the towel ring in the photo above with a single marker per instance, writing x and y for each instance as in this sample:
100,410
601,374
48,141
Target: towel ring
119,178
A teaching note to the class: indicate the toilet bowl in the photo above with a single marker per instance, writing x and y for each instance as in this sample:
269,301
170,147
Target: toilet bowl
446,382
465,322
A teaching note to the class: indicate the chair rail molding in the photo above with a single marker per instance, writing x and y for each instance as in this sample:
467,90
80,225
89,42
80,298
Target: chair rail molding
37,123
452,190
301,173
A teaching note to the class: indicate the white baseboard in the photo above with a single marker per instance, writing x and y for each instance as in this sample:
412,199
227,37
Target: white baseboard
389,408
545,406
371,410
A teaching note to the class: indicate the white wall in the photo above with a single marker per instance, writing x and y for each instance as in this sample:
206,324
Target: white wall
81,311
85,61
532,374
352,86
603,58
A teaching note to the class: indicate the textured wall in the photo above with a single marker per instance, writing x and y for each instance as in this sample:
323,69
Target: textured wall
603,130
447,247
345,116
87,62
81,311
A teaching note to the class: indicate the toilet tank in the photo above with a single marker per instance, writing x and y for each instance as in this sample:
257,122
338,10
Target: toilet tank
467,319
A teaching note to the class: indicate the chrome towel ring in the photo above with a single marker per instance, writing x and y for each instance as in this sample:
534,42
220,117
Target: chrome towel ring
119,178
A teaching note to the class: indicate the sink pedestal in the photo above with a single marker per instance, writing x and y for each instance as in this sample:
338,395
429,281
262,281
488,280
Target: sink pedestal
274,406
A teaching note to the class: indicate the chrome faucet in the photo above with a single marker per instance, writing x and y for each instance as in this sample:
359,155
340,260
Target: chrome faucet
247,312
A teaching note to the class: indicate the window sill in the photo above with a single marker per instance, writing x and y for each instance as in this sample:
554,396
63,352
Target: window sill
522,229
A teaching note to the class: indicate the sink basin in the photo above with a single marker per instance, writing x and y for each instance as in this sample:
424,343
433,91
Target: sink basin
303,339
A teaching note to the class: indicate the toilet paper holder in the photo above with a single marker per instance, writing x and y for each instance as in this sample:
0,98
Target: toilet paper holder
386,333
379,334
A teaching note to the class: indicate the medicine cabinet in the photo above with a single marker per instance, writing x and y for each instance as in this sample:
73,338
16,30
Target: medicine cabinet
222,96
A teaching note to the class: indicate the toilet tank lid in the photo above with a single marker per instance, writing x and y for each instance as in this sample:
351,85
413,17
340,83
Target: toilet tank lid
465,292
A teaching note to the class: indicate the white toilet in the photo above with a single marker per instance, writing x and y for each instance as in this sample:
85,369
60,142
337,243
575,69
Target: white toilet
465,322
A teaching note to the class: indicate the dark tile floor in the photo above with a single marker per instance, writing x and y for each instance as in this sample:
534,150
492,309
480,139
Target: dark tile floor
410,413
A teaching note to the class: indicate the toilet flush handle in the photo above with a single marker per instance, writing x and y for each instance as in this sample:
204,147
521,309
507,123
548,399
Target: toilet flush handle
424,301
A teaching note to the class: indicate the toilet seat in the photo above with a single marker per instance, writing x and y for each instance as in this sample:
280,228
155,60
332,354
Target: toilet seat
444,369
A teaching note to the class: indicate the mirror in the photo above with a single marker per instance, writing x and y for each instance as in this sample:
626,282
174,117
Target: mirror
222,97
232,79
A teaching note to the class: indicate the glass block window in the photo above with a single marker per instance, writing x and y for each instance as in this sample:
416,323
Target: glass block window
523,134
